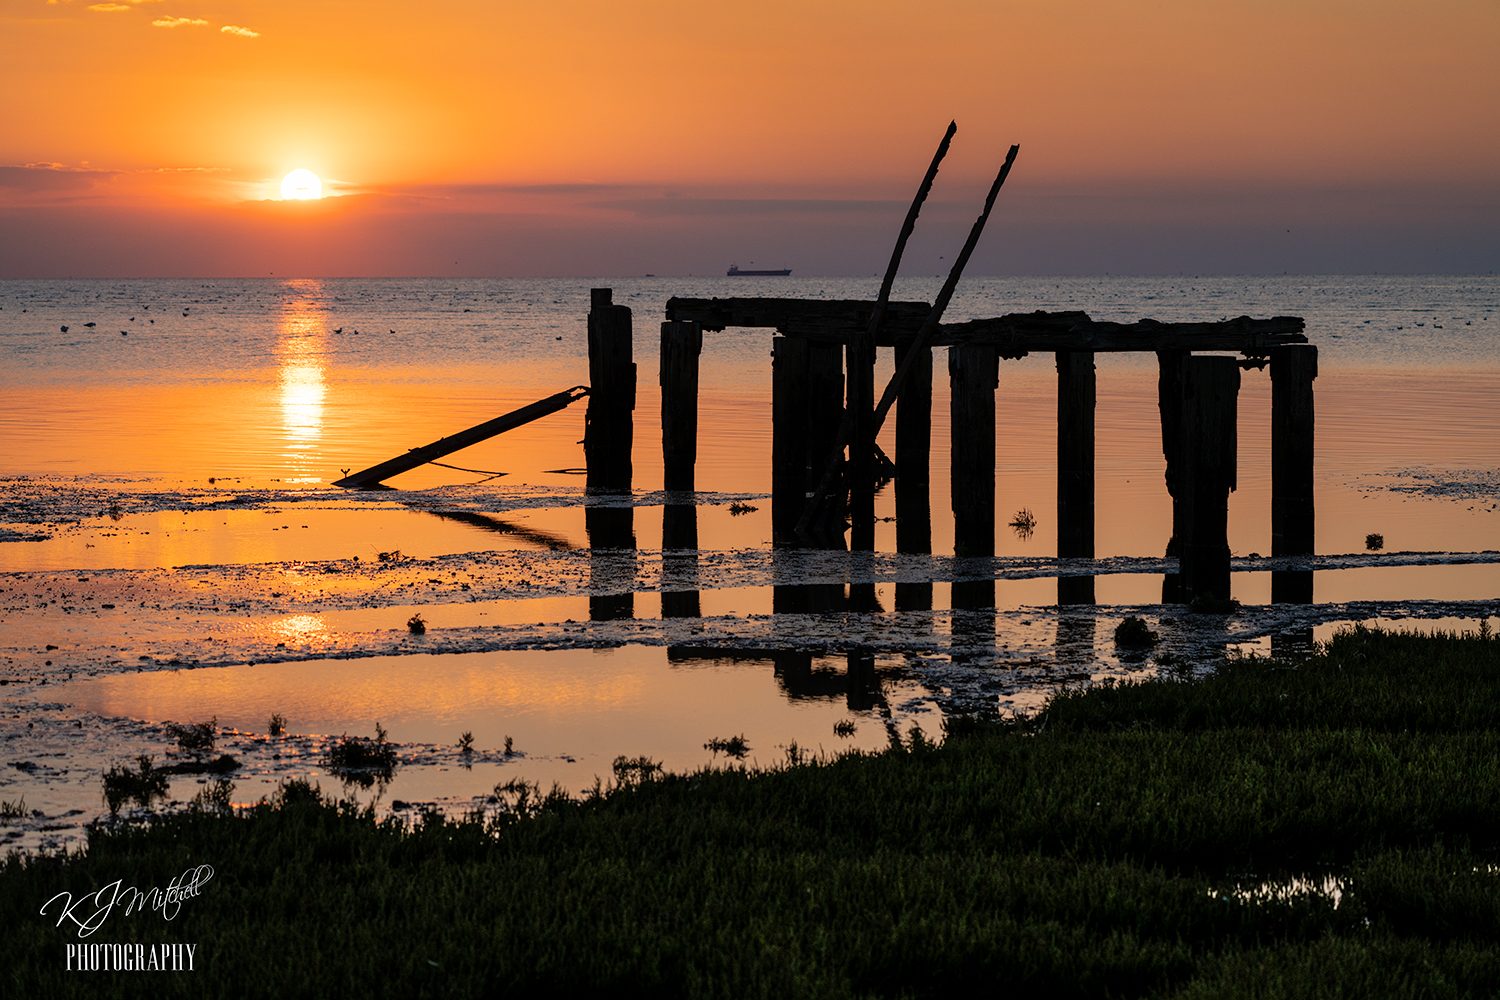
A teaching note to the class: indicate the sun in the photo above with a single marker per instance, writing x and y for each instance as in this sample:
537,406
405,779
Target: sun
301,185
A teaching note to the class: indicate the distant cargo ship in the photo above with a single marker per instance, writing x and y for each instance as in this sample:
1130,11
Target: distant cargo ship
735,271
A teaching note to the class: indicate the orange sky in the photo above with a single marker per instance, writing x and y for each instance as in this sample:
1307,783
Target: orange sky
488,137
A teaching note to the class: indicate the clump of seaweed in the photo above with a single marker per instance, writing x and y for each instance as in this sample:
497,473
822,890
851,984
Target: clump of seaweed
1134,633
1374,541
1023,523
734,746
393,556
416,625
140,785
362,759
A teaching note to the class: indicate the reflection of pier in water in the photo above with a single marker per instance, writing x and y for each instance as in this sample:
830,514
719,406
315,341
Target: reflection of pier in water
819,377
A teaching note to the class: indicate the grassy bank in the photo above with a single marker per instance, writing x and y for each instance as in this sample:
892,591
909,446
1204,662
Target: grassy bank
1096,850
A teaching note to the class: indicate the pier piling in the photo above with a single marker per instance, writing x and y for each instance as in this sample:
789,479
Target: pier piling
1076,397
609,424
1210,391
1293,369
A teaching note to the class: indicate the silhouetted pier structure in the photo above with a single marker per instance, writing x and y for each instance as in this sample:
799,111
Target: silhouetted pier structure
823,356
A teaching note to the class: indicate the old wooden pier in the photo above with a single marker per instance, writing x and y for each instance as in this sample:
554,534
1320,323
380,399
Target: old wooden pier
823,360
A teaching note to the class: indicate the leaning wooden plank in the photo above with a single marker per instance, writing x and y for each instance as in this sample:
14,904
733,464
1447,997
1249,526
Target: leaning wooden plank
923,339
857,427
376,474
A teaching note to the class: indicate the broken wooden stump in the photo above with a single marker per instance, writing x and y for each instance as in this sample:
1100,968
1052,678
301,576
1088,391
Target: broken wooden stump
973,371
1293,369
1210,392
913,484
681,345
1076,396
1169,404
609,424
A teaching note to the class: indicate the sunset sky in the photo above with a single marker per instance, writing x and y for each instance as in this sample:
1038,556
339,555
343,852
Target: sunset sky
483,137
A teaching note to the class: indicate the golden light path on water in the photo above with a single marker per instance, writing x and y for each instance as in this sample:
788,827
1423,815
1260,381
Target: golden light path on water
301,351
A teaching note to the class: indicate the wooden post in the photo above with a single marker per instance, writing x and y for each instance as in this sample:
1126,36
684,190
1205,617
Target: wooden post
789,445
1210,391
609,425
860,401
1169,402
1293,369
825,411
1076,397
913,472
681,345
973,371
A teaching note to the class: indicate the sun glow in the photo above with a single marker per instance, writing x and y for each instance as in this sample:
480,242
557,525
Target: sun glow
301,185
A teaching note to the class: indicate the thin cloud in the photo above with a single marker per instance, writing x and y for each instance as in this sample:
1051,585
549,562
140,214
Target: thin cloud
239,32
117,6
179,22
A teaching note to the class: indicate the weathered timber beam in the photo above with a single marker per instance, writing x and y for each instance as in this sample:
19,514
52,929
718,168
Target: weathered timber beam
1013,334
836,315
376,474
1040,331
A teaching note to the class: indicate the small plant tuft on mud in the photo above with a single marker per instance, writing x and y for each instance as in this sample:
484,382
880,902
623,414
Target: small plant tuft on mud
12,810
466,742
277,725
734,746
1374,541
196,737
844,728
416,625
1134,633
510,747
362,759
739,507
393,556
1023,523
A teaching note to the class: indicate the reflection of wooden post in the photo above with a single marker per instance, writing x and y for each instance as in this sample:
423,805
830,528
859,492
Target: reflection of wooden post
1210,391
1076,396
973,370
611,528
679,561
681,344
1293,368
913,472
608,426
1169,402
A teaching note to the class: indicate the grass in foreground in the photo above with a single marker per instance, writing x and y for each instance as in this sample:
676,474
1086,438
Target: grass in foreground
1093,851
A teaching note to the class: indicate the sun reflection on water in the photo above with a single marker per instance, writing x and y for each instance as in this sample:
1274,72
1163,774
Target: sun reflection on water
301,352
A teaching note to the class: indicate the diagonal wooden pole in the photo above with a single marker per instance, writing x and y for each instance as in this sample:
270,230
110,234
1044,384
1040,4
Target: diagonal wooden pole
920,342
854,426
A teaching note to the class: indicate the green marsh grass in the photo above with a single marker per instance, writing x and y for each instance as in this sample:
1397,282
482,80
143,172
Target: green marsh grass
1095,849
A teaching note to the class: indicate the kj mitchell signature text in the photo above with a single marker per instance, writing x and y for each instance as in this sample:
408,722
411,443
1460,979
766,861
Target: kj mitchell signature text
89,912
